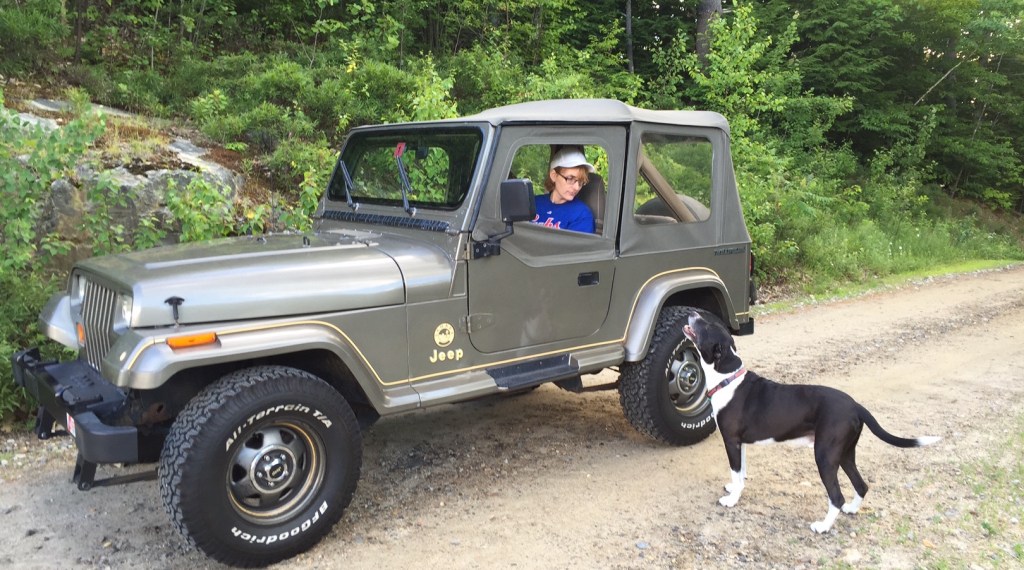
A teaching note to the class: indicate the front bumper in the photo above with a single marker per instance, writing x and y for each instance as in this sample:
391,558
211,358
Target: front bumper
75,395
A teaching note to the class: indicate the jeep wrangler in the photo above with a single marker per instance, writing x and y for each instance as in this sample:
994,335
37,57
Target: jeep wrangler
248,367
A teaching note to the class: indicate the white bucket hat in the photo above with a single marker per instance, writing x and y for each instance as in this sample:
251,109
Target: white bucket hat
571,157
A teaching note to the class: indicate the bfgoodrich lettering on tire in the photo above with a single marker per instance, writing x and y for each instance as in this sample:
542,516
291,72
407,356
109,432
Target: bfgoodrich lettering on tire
663,395
260,465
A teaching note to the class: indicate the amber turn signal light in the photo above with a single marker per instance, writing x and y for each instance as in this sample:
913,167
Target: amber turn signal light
192,340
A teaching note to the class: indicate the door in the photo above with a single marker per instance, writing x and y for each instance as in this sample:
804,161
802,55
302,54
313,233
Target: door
547,285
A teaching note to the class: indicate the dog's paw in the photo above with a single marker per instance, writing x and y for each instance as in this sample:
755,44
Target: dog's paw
729,500
733,488
853,506
821,527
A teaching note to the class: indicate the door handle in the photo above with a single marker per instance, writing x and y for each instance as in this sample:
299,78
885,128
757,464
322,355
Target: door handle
588,278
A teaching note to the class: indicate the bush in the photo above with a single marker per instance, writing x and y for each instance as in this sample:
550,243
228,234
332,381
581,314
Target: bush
192,77
23,294
203,210
265,126
329,106
382,89
483,78
225,129
93,79
282,84
31,34
292,158
31,159
138,91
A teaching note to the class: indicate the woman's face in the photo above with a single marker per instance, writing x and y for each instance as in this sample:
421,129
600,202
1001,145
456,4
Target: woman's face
568,182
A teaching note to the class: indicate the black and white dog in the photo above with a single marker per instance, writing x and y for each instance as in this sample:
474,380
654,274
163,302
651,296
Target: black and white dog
752,409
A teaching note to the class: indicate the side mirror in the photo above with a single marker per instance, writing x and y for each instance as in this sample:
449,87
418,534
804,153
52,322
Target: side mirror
517,203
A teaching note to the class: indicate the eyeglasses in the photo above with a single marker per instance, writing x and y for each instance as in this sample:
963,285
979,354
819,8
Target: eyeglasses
571,179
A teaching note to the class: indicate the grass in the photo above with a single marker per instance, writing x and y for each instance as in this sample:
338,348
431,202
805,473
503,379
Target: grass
993,520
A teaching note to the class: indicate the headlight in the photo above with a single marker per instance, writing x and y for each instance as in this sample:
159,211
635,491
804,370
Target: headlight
122,312
77,291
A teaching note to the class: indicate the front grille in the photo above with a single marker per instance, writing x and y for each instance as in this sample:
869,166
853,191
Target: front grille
98,310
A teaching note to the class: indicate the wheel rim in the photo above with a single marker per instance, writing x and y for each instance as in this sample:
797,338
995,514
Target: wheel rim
685,378
275,472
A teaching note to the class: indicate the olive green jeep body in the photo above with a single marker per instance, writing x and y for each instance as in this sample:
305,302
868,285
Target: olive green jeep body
248,366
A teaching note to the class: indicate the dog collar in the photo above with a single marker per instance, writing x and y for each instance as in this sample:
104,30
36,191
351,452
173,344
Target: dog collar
727,381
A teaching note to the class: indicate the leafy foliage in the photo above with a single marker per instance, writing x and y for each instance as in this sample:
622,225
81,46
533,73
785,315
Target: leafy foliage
204,210
854,124
31,159
30,32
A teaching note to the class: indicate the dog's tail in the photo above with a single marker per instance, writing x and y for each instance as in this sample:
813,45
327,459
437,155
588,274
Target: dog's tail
872,423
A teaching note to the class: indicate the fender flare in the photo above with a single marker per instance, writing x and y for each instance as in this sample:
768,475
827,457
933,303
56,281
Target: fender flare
653,296
150,362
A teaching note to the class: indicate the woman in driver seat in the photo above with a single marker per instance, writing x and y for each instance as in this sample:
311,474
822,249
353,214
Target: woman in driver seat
569,172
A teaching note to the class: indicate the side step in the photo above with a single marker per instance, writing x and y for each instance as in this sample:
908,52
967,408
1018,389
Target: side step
534,372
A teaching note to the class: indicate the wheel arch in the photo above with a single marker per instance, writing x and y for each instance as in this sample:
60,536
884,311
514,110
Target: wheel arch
166,401
702,291
171,379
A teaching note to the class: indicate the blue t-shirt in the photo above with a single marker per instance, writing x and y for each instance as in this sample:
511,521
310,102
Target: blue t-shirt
574,215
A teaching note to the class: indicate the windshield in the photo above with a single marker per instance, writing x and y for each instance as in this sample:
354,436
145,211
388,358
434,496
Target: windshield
439,163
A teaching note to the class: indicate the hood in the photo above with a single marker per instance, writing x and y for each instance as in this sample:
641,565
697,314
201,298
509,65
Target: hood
252,277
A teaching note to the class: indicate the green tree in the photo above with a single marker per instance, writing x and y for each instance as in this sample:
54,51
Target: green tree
979,59
910,66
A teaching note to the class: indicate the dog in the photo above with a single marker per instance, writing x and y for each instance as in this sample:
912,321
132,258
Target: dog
751,409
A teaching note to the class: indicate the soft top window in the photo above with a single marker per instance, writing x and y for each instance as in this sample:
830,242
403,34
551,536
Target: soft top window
438,164
674,179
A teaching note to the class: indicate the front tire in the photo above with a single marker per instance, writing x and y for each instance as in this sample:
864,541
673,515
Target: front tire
260,465
663,395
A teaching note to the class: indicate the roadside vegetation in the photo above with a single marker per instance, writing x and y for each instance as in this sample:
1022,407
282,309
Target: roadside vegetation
871,138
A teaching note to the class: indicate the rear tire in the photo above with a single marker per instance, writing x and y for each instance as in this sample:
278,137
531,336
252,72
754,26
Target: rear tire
260,465
664,395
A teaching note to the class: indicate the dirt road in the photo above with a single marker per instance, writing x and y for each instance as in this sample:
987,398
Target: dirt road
556,480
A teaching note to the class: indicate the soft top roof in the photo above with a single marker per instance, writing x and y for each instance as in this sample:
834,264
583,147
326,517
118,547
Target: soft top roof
593,111
584,111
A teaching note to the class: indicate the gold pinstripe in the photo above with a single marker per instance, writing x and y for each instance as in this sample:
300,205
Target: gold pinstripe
380,381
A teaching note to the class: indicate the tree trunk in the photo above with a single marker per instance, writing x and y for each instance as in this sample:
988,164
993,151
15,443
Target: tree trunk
950,56
629,34
80,7
706,13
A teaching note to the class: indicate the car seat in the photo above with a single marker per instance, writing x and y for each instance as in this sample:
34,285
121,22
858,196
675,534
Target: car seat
592,194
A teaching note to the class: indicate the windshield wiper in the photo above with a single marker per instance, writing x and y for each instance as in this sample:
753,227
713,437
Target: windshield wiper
404,177
346,179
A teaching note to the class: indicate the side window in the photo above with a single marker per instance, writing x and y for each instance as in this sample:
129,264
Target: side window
533,162
674,180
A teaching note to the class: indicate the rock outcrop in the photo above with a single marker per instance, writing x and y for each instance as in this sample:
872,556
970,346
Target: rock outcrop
143,188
